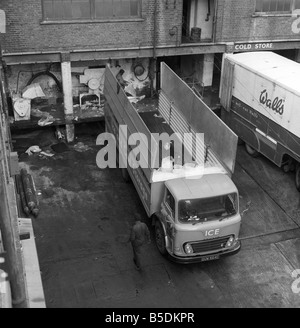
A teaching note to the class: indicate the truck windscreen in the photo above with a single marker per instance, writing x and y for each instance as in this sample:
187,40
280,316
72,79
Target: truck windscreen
207,209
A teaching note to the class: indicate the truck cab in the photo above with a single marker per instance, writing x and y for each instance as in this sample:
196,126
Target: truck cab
199,219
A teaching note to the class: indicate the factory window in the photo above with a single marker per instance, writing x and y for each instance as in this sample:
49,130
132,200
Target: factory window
58,10
277,6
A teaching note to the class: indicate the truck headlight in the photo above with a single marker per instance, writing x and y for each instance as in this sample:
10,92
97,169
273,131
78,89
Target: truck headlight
230,241
188,249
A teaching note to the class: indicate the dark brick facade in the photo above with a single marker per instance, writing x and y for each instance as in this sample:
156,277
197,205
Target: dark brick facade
236,21
26,32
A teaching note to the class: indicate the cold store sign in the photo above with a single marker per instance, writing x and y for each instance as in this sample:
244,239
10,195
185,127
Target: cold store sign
2,21
253,46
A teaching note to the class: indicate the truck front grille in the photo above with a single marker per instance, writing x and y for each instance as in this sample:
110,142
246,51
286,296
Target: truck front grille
210,245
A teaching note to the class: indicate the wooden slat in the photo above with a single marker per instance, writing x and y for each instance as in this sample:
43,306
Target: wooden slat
126,114
189,110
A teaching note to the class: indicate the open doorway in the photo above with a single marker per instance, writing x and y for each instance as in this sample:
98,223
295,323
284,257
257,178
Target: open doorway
198,21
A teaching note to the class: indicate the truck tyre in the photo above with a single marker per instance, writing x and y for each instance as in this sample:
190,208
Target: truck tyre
252,152
240,141
297,178
160,238
125,175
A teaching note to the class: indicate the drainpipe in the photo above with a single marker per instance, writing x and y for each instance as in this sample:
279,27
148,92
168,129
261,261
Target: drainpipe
215,22
196,13
153,77
154,29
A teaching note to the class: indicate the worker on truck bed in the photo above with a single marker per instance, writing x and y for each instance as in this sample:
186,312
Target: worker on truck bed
139,236
167,157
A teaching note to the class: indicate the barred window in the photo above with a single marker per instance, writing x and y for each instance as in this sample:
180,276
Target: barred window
90,9
277,6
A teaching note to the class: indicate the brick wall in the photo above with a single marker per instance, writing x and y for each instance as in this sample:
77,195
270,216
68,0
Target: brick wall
235,22
25,33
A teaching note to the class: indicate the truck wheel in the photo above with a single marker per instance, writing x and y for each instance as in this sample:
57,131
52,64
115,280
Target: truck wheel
125,175
240,141
160,238
252,152
297,178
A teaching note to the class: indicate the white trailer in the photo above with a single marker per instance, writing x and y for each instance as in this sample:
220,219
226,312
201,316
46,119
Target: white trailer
260,95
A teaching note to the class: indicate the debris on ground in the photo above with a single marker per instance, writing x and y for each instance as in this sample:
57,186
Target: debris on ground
81,147
32,150
46,120
22,195
60,135
60,147
46,153
27,192
33,91
134,100
37,113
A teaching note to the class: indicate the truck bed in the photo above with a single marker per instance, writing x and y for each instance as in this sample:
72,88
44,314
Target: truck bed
155,122
177,111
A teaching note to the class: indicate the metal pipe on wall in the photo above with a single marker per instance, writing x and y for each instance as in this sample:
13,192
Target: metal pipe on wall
215,21
196,13
153,76
154,29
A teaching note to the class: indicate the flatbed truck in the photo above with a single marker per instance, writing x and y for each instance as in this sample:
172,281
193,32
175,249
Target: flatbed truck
193,207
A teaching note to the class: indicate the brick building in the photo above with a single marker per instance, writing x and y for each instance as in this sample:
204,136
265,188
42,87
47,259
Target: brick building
69,42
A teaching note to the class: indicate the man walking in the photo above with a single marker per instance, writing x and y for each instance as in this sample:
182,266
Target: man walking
139,236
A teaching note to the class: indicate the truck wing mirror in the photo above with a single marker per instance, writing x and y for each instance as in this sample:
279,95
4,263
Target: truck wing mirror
247,208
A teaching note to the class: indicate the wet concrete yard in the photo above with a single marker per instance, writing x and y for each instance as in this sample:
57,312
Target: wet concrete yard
84,223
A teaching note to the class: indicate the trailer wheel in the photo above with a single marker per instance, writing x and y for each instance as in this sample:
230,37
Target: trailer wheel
252,152
160,238
297,178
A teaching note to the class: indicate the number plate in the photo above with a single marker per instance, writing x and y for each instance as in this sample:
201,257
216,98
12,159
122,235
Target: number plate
210,258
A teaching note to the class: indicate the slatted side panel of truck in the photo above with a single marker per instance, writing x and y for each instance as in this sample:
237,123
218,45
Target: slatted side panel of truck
185,112
123,111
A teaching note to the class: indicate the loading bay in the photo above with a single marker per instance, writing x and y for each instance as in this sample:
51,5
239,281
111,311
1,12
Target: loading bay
84,224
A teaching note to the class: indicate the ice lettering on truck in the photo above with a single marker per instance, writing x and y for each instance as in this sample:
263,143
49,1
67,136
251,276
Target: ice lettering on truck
210,233
277,105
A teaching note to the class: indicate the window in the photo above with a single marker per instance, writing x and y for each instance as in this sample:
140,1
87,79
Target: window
171,202
54,10
277,6
207,209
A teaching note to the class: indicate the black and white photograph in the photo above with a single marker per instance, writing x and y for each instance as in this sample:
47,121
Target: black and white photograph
150,157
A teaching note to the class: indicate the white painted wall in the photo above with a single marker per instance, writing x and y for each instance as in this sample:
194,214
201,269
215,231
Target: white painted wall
18,76
201,6
198,66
